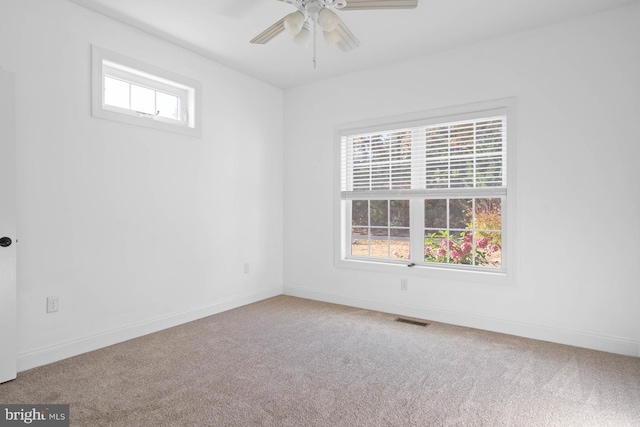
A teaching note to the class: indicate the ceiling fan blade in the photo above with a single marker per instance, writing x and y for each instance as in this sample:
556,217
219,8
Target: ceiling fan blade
380,4
348,40
269,33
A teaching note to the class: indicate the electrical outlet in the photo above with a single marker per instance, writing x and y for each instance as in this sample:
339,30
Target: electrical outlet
404,284
52,304
246,268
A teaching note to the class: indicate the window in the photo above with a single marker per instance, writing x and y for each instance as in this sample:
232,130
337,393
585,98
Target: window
130,91
427,192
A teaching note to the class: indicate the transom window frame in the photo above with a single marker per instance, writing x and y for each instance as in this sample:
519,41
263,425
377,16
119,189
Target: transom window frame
342,219
188,91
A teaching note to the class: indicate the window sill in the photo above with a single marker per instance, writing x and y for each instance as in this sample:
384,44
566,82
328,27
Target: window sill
145,121
499,278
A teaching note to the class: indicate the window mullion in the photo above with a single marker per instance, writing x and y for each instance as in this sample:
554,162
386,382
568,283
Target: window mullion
448,258
416,207
473,230
130,99
389,227
155,103
368,227
418,182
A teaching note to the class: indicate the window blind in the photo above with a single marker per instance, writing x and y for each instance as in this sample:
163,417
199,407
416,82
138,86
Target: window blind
456,158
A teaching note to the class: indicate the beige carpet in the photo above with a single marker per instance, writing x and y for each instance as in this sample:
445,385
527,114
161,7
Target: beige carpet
291,362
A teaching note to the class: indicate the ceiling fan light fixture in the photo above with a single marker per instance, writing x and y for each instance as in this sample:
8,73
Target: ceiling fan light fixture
302,38
332,37
293,22
327,20
310,14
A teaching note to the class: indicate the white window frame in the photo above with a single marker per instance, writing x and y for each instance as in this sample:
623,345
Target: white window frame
188,91
342,222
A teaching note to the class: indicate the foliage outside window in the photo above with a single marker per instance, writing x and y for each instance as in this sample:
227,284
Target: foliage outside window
428,195
463,231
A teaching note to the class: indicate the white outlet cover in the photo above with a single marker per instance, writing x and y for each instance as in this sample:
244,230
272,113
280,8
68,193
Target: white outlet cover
52,304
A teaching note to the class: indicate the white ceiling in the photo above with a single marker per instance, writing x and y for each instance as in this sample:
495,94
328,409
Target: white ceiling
221,30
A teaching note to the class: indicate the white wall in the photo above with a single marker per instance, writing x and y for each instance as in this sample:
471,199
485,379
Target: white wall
134,229
577,248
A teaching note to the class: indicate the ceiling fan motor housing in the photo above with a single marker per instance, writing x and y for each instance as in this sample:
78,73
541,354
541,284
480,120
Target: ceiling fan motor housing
311,8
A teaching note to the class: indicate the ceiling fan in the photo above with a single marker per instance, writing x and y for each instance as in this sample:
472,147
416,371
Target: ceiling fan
311,13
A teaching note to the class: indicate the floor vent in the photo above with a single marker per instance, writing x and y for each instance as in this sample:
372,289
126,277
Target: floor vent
411,322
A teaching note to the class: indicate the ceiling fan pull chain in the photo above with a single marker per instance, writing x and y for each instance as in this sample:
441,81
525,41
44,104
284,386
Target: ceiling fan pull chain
314,21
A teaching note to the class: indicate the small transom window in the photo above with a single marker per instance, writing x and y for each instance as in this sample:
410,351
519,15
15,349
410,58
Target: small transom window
129,91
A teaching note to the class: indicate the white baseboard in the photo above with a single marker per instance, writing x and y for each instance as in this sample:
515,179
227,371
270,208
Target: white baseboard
54,353
605,343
